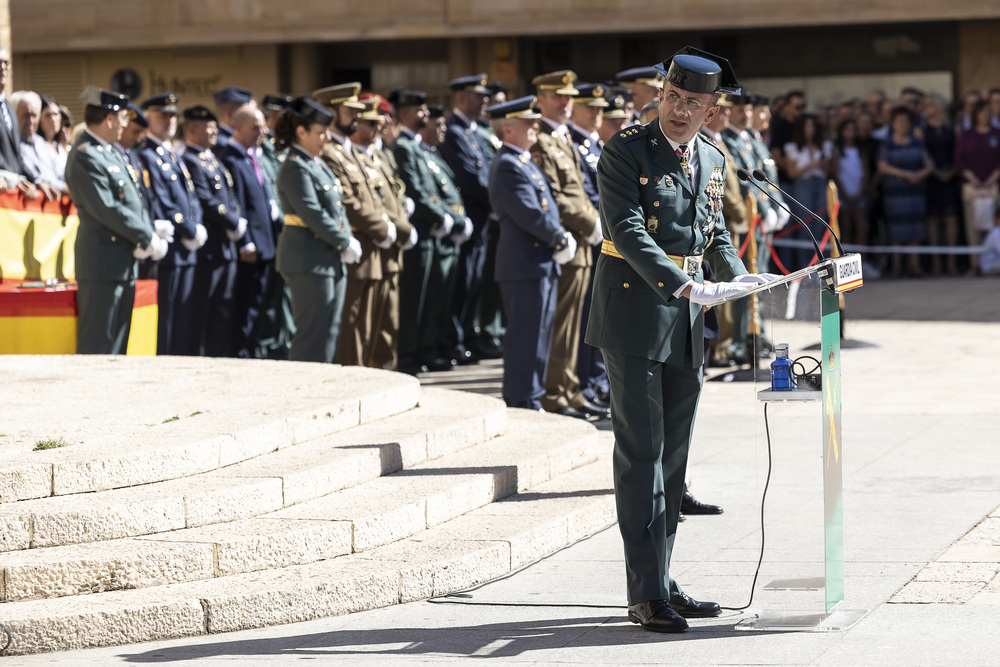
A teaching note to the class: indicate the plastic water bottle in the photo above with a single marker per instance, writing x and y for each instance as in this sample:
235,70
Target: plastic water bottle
781,369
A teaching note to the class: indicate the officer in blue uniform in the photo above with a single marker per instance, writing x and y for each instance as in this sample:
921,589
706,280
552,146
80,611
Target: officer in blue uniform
114,228
464,151
661,191
532,246
174,201
227,101
215,271
644,83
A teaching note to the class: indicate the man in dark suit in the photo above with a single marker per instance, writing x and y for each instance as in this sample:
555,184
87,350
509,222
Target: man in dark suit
257,246
215,273
12,171
661,189
114,228
532,246
465,153
227,101
174,204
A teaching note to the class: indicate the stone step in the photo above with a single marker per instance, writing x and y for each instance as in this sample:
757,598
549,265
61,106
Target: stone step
444,422
356,519
481,545
135,420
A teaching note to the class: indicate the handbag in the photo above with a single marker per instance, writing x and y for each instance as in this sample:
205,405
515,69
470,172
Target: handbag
984,208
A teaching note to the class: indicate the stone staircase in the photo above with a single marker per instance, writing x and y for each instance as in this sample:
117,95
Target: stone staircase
198,496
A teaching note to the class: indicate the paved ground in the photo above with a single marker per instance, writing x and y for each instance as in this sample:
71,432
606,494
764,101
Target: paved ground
922,489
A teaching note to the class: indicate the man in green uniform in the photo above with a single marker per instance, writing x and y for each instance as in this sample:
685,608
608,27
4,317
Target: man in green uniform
369,222
114,227
661,189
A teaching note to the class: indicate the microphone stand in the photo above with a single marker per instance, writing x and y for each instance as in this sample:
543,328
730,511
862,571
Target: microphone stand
761,176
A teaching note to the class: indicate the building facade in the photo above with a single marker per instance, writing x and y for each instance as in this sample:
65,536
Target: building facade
834,49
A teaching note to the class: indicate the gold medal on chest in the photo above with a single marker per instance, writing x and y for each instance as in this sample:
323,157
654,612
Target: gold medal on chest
643,179
652,224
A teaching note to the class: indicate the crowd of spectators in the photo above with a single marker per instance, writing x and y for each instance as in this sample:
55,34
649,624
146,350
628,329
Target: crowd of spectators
911,172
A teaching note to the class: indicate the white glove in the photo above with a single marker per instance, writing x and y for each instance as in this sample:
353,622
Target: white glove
353,253
411,240
567,253
275,210
164,229
710,292
756,278
444,228
597,235
770,221
250,247
200,236
464,234
159,248
241,229
410,207
389,239
783,218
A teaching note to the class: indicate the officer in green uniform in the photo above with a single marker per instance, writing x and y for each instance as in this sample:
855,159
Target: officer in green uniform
114,229
661,190
316,241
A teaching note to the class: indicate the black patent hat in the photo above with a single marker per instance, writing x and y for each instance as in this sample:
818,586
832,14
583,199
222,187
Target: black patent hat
698,71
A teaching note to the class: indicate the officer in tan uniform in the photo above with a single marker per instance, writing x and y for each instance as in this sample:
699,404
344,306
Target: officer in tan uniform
370,222
554,154
391,192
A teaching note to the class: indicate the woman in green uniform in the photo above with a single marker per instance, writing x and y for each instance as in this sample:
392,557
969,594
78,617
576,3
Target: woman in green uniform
316,241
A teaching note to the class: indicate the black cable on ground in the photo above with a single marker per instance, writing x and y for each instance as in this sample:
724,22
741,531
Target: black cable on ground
763,497
10,638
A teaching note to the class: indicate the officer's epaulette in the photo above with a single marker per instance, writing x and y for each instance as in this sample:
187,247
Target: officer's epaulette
632,133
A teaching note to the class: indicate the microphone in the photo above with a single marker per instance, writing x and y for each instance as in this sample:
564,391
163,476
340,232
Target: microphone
760,176
742,174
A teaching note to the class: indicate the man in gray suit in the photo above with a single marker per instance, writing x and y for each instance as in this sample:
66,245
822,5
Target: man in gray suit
114,227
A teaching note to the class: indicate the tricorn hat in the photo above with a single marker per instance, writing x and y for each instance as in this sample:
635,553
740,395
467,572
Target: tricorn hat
698,71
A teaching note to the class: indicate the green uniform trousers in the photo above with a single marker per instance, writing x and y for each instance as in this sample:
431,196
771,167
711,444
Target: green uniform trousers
105,316
317,306
653,408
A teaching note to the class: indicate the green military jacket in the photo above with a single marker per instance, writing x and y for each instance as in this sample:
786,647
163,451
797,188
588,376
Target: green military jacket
270,159
649,210
113,221
734,207
310,195
742,151
491,143
444,181
560,163
429,210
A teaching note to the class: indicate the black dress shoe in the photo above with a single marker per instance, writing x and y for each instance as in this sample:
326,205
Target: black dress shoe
600,402
413,369
439,364
465,357
601,412
570,411
689,608
691,506
656,616
681,517
491,353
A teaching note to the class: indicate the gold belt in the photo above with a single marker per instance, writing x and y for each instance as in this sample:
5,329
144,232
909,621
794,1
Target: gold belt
688,263
294,221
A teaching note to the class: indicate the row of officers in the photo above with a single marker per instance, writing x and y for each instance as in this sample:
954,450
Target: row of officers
303,225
